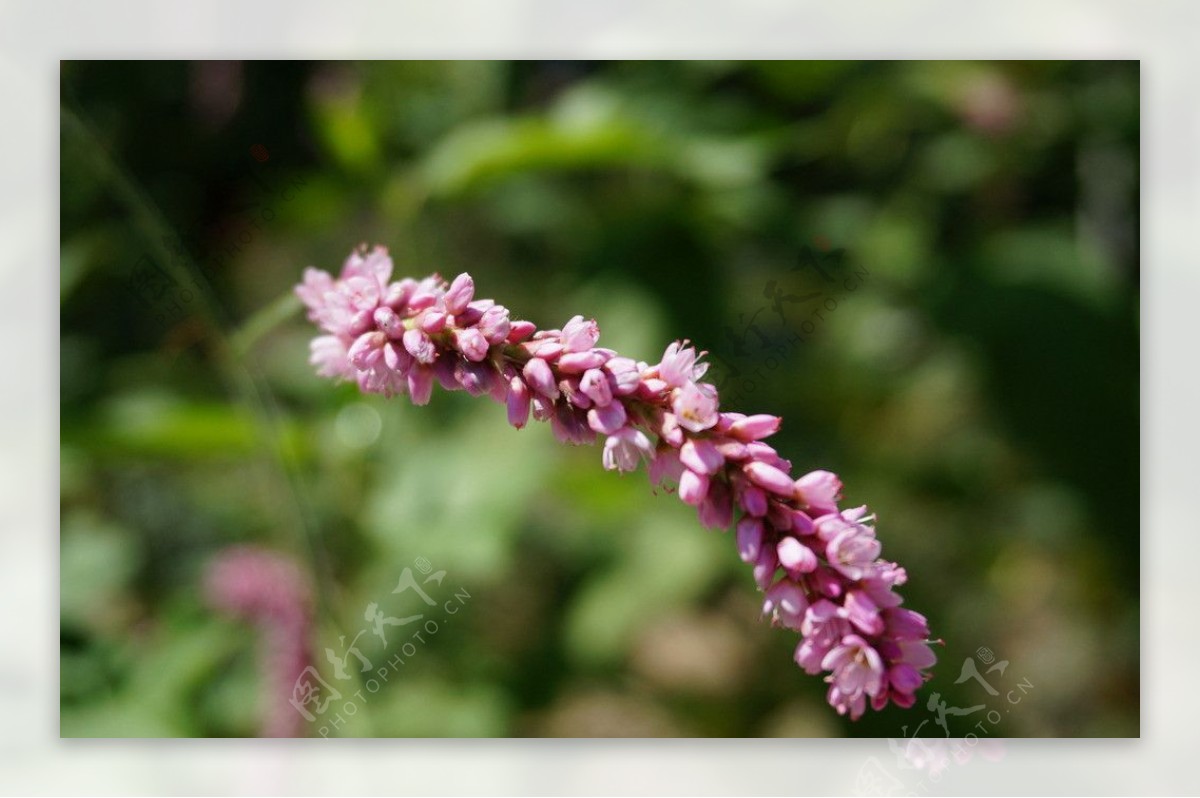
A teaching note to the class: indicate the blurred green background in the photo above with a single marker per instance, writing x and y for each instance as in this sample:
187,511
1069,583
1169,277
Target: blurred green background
976,382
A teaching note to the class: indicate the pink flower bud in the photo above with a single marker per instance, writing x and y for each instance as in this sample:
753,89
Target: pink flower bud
754,501
546,350
434,321
796,557
594,383
765,567
669,429
701,456
420,346
396,357
460,294
665,465
716,511
494,324
471,343
579,362
519,331
387,320
749,538
625,373
580,334
540,378
420,385
422,299
752,428
819,490
367,350
398,293
862,612
905,678
693,487
730,449
608,419
769,478
475,378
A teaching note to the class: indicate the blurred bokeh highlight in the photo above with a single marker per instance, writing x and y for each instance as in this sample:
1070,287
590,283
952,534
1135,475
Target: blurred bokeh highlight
929,269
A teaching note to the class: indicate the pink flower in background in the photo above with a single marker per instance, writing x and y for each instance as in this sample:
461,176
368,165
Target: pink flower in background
820,567
270,591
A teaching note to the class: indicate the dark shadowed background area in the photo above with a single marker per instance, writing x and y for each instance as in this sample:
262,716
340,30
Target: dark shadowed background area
930,270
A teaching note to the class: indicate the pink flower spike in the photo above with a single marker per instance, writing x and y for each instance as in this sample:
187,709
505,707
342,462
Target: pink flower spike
820,568
769,478
460,294
693,487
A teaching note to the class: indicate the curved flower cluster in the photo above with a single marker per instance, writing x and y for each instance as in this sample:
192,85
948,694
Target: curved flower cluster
272,592
818,565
